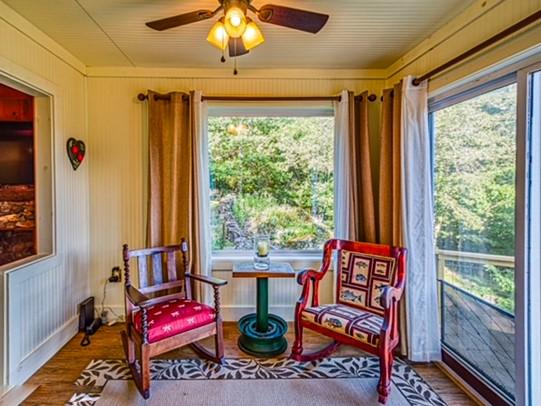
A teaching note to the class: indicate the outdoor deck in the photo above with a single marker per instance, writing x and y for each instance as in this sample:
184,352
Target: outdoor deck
481,333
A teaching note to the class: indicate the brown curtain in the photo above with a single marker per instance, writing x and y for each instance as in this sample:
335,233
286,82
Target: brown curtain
389,202
362,217
173,202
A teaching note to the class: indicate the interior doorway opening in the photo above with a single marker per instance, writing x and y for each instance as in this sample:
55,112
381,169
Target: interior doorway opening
17,175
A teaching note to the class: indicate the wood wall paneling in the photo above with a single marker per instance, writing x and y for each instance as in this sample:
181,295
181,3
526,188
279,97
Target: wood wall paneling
117,121
477,23
103,203
117,127
42,297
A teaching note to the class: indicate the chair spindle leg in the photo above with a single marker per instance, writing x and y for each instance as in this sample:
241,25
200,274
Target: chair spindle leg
296,350
219,338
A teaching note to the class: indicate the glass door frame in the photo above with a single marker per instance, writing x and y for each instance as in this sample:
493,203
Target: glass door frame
528,240
452,360
528,227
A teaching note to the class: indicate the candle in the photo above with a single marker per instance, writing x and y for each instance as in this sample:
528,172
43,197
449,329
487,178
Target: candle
261,252
262,248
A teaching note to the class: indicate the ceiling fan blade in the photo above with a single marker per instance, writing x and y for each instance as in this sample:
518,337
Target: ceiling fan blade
293,18
181,19
236,47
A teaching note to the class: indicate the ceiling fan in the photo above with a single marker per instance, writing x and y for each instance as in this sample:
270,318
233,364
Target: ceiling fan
238,32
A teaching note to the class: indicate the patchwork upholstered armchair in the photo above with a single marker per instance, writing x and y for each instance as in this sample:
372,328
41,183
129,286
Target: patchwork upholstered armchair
162,315
370,282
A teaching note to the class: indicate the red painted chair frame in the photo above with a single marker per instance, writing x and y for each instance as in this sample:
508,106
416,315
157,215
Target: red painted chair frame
135,342
389,335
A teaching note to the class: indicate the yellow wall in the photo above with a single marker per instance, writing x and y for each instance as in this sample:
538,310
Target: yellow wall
116,118
116,127
43,297
102,204
479,22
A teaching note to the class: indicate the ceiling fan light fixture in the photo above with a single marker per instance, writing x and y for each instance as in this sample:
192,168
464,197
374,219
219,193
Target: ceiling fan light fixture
236,32
218,35
252,36
235,22
236,47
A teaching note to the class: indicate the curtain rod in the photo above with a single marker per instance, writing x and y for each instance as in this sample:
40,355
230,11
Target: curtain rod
270,98
372,97
480,47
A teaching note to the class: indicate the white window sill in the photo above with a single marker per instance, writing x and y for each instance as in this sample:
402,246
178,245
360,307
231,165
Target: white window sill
45,260
224,260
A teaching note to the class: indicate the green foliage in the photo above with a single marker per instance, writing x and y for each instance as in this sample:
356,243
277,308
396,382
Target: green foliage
475,173
271,176
503,286
475,147
491,283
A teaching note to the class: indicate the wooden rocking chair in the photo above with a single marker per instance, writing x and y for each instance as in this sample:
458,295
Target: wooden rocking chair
370,282
158,324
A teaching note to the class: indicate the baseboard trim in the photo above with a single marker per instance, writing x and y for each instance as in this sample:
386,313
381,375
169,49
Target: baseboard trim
463,385
17,395
21,372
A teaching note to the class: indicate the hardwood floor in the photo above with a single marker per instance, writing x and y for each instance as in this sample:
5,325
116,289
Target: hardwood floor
56,378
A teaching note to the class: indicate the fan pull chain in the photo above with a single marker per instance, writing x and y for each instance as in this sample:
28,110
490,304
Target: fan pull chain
235,71
222,59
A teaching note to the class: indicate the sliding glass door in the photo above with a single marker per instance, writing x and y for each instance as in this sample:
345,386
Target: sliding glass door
474,139
528,306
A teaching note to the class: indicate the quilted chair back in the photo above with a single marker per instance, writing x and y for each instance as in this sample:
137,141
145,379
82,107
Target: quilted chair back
361,278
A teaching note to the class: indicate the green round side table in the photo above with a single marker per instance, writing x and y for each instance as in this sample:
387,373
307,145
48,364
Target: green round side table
261,333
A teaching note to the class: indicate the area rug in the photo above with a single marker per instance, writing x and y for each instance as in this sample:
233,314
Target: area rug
254,382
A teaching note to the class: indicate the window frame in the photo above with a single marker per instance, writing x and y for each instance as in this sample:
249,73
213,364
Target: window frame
528,226
517,69
450,358
44,173
224,260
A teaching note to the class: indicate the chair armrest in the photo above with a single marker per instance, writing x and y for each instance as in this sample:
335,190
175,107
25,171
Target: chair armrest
303,278
390,295
134,296
308,274
389,298
207,279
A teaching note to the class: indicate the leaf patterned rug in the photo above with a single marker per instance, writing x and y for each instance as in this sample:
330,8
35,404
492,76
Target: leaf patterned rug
412,387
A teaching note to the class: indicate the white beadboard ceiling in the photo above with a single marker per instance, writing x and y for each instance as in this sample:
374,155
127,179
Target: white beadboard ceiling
369,34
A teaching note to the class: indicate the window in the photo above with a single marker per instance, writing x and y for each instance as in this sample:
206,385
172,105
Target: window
474,138
271,174
26,227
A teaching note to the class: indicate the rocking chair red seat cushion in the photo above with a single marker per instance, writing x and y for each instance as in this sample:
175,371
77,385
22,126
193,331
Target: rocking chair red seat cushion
161,314
173,317
370,282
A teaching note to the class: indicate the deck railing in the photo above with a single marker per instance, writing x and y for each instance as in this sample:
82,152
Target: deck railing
478,332
442,256
472,258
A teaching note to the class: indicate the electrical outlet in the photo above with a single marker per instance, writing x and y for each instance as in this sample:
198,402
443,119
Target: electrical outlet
115,275
104,317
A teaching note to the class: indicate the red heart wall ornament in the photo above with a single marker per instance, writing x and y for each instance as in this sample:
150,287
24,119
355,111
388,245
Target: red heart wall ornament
76,152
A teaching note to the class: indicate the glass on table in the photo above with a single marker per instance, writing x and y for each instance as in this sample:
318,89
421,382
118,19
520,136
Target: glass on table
261,252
